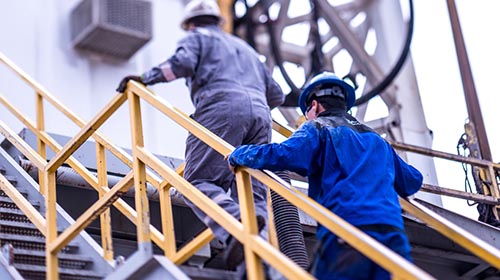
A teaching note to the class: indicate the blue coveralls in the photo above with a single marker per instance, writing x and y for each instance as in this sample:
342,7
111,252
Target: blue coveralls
353,172
233,92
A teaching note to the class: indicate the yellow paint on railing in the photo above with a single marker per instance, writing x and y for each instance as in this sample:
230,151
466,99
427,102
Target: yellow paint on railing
92,213
255,246
24,205
461,236
388,259
467,240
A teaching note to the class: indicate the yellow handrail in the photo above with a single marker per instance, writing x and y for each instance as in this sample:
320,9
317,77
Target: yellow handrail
23,204
467,240
246,231
461,236
377,252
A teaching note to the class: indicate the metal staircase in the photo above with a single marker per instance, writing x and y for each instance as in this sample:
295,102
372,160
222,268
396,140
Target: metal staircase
432,251
76,195
23,245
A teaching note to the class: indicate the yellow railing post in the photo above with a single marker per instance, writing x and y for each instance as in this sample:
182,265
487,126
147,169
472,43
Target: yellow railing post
51,260
141,198
248,217
167,221
105,217
40,125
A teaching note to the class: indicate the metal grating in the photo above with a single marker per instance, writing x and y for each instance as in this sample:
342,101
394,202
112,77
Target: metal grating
133,15
81,18
111,29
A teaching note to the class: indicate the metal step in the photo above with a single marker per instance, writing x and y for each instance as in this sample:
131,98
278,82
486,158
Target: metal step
6,202
32,242
205,273
34,257
11,214
36,272
3,194
77,261
13,227
11,179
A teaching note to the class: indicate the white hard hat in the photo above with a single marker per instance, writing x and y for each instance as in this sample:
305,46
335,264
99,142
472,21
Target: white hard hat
197,8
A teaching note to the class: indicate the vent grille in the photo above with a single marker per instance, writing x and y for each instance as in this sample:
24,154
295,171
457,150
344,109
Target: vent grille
135,15
112,29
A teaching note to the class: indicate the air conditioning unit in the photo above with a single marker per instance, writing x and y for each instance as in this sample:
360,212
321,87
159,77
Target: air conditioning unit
111,29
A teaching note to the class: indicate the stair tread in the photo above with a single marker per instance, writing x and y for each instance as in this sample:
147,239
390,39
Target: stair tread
66,256
8,199
10,178
20,225
11,211
39,268
208,273
21,191
28,238
17,224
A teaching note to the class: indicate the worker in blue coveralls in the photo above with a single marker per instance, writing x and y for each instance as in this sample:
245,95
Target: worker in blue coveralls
351,170
232,92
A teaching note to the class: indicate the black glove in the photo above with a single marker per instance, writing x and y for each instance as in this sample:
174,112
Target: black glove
123,84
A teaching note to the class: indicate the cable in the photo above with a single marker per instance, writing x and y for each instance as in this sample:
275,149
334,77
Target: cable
462,144
292,98
396,69
249,24
317,63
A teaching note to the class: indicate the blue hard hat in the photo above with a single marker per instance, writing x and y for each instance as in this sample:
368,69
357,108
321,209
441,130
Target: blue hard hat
324,80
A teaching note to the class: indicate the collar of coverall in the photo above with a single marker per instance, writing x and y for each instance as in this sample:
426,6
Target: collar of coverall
332,112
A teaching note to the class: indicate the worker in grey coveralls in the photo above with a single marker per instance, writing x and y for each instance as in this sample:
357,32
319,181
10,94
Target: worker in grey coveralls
232,91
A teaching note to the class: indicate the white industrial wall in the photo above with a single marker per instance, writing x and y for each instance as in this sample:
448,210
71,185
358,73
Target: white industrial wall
35,35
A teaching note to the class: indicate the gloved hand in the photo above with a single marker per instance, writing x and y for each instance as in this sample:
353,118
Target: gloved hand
230,164
123,84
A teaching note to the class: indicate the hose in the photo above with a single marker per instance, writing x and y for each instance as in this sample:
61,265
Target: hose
288,228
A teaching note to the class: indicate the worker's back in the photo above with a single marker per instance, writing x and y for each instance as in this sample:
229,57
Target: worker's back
217,60
359,170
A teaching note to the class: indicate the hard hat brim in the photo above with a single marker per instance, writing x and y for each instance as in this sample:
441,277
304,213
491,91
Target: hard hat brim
184,23
350,94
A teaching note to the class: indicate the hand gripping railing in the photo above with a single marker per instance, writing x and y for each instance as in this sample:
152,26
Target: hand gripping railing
462,237
44,141
256,248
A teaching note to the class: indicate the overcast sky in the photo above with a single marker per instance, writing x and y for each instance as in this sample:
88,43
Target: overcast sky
439,81
434,57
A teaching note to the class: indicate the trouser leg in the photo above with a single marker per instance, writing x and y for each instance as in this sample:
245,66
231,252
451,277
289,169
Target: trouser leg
208,172
338,260
237,120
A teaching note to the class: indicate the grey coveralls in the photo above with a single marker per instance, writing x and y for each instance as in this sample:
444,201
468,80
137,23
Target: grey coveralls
233,92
